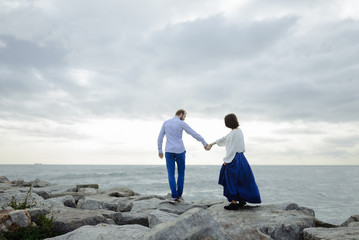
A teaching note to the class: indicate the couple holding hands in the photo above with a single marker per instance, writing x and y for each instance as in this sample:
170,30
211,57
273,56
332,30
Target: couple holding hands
236,175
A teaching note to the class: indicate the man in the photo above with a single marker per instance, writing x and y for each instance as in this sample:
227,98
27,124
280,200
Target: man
175,151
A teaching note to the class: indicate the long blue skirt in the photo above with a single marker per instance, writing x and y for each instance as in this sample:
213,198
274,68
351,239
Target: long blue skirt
238,181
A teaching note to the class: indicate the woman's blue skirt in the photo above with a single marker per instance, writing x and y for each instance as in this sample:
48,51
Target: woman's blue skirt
238,181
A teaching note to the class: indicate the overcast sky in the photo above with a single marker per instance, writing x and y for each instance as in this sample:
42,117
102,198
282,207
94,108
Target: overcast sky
91,82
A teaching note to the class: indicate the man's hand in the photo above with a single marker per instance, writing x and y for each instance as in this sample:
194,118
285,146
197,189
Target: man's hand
208,147
160,155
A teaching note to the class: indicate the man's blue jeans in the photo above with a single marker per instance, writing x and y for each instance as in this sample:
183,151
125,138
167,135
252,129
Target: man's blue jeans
180,159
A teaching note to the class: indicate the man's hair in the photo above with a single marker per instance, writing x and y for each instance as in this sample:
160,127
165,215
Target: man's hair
231,121
180,111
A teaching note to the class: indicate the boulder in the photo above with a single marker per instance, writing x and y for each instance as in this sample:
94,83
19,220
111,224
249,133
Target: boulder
353,224
87,191
119,192
4,179
145,197
145,205
196,223
279,221
40,184
242,232
10,220
124,206
95,186
36,212
42,193
59,190
76,195
156,217
133,218
206,203
68,219
100,201
352,219
115,216
19,197
105,232
319,223
21,183
20,217
342,233
177,208
68,201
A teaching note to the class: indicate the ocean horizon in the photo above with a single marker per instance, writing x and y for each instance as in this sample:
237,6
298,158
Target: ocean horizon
332,191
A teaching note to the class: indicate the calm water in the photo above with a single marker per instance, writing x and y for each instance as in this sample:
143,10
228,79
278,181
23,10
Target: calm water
332,191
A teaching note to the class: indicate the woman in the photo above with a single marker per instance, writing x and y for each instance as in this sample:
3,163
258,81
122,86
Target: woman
236,175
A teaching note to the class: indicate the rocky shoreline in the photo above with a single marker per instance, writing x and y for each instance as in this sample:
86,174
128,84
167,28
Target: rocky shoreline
88,212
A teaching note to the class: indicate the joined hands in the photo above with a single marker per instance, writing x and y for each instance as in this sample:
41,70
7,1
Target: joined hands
208,147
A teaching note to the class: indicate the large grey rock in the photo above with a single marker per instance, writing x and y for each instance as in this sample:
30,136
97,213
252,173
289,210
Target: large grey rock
32,200
76,195
342,233
177,208
242,232
10,220
124,205
118,192
145,205
42,193
105,232
69,219
21,183
133,218
196,223
4,179
58,190
36,212
156,217
319,223
40,184
206,203
20,217
68,201
87,191
53,191
279,221
104,201
145,197
94,186
353,224
352,219
51,203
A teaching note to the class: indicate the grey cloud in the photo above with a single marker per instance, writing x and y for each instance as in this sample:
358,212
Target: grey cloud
203,44
299,130
20,53
263,69
349,141
44,131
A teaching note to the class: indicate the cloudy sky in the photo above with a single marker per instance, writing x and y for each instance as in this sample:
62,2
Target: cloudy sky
91,82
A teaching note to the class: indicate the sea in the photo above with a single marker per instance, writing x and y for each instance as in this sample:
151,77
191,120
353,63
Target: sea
331,191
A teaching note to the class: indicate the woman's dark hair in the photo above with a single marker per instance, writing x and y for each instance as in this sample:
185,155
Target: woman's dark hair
180,111
231,121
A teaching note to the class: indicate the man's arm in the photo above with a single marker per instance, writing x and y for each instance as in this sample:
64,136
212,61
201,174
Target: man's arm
160,141
195,135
